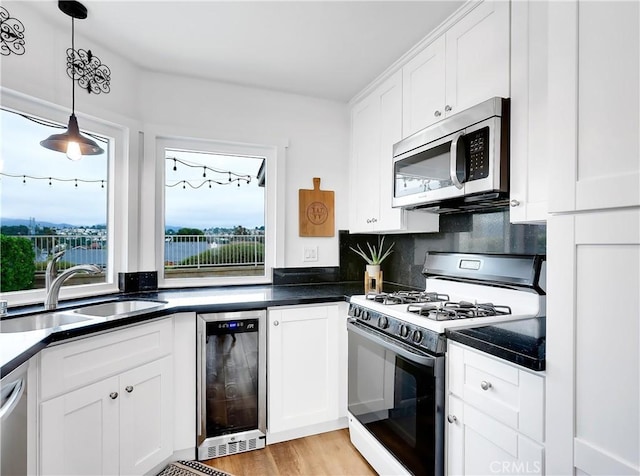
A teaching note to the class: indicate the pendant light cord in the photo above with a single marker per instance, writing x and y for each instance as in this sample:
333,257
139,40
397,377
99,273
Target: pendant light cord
73,68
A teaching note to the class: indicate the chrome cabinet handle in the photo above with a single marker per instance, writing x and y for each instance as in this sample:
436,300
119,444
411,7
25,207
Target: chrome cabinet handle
514,203
452,418
113,395
129,388
447,108
276,323
437,113
484,385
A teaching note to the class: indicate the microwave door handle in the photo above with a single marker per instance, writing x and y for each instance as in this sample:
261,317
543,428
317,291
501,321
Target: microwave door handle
453,161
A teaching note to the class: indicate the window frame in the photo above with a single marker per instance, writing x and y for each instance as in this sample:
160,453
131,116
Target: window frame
117,166
213,146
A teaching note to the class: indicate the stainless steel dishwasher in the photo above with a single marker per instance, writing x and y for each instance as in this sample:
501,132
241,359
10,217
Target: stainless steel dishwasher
13,422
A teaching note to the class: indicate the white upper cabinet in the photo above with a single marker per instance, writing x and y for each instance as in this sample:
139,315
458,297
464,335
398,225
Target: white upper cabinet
529,187
423,84
594,84
376,124
478,56
364,173
463,67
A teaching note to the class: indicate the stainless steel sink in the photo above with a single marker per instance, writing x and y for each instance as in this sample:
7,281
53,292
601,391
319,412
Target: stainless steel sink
107,310
39,322
119,308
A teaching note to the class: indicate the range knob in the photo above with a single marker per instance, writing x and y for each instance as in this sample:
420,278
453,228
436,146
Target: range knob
404,331
417,336
365,315
383,322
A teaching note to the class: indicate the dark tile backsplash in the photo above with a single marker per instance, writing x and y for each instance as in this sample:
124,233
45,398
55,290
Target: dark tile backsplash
488,232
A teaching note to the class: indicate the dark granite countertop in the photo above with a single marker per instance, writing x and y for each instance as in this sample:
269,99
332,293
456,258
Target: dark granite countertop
17,348
519,342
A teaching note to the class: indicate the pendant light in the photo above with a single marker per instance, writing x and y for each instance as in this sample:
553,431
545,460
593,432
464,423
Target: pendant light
74,144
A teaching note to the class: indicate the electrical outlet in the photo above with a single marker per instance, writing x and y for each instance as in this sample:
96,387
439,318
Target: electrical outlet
310,253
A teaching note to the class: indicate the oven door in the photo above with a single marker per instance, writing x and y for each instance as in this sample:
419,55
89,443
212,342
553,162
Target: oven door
397,394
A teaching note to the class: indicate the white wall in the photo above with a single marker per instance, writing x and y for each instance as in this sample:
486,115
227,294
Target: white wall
316,131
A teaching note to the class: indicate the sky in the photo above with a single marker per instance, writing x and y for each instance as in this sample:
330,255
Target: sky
219,206
86,204
60,202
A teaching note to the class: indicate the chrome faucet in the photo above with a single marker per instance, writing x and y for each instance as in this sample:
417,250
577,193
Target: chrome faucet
53,280
52,270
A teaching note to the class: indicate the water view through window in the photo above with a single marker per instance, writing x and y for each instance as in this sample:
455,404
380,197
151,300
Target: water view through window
49,204
214,215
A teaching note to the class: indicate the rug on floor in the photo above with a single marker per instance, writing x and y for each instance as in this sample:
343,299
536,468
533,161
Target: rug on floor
190,468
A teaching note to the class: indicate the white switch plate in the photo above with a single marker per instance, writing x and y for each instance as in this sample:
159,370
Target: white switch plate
310,253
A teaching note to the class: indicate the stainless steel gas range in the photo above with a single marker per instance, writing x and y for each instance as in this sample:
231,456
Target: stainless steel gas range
397,348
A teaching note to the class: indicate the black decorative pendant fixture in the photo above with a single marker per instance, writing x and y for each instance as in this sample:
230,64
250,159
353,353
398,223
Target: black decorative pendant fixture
11,34
71,142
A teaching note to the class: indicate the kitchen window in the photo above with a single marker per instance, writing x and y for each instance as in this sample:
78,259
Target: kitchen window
49,204
215,215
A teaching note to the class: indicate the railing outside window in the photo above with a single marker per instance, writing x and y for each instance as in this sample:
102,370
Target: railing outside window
180,251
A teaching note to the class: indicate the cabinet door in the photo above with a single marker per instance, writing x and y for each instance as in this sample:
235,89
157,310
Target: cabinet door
364,178
480,445
423,87
390,105
529,175
302,367
79,431
594,87
146,416
477,59
593,381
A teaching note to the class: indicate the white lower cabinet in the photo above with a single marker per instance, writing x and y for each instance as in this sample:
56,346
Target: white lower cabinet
306,370
112,419
593,392
495,415
116,426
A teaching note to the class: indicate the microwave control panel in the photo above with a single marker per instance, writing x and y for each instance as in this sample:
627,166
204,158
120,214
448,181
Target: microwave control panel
477,144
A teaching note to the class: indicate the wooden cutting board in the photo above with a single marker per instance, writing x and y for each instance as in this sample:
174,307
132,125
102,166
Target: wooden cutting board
316,211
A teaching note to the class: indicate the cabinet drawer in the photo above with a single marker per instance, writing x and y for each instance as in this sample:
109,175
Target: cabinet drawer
502,390
79,363
306,313
492,448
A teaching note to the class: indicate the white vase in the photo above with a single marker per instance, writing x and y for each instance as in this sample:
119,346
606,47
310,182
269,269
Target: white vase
373,270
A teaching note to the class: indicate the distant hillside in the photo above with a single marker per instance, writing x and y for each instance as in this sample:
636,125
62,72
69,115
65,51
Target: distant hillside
22,221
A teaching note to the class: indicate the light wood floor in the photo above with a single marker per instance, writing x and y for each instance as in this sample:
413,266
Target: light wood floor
327,454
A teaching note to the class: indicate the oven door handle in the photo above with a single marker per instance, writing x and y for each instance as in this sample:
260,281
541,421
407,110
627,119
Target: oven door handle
381,339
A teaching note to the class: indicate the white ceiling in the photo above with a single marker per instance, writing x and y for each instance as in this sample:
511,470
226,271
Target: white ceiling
327,49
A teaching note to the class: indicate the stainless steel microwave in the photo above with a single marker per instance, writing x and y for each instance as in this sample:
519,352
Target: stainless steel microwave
459,163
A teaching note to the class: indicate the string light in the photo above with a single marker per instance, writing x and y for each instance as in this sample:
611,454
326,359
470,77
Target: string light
195,185
232,176
24,178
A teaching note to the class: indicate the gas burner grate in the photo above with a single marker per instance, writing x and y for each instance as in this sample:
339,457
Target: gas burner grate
457,310
406,297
